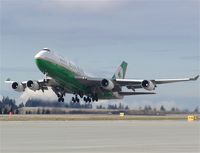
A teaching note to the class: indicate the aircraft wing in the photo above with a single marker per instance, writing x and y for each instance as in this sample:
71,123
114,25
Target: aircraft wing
137,83
163,81
132,83
32,84
135,93
8,81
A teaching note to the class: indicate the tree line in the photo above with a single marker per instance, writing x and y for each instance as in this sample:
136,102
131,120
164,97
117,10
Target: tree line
8,105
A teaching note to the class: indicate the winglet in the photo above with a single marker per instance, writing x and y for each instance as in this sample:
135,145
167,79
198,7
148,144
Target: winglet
195,78
8,80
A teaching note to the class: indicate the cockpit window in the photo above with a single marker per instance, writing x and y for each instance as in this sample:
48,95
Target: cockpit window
47,49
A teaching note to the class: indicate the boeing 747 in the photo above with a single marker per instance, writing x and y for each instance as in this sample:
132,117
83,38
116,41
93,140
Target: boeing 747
64,77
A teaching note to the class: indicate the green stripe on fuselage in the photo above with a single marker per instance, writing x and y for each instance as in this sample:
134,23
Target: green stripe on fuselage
62,75
66,78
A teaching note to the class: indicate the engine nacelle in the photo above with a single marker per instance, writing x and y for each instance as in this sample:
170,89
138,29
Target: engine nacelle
107,84
17,86
33,85
148,85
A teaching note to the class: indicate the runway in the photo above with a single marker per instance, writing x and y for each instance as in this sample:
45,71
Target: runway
99,137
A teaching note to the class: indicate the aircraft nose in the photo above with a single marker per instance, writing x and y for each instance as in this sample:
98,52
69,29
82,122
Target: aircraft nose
42,54
39,55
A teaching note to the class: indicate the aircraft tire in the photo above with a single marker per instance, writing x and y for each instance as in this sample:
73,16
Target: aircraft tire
89,99
60,99
85,99
73,100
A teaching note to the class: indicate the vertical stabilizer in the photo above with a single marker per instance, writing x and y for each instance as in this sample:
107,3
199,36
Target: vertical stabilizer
121,71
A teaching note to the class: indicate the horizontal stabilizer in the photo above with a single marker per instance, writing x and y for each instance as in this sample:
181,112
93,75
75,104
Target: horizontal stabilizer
136,93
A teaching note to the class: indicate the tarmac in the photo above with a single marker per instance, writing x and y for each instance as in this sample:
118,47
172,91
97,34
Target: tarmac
166,136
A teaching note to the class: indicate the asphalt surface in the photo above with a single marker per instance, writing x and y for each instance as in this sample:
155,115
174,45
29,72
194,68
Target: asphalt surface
99,137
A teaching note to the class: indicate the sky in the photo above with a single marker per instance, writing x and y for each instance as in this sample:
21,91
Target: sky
158,39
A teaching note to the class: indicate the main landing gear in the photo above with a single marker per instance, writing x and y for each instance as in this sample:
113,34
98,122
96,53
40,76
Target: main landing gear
91,99
87,99
75,99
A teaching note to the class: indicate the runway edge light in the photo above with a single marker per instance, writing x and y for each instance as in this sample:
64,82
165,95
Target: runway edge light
122,114
192,117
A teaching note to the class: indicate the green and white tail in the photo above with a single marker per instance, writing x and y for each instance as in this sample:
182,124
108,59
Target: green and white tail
121,71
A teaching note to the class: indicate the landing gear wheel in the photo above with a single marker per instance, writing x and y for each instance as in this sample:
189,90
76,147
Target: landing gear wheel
77,100
85,99
73,100
60,99
81,94
89,99
94,97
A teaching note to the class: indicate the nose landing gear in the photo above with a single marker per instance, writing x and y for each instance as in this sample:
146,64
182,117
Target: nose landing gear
60,93
61,99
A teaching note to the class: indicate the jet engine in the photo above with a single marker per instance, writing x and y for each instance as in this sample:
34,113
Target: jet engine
33,85
148,85
107,84
17,86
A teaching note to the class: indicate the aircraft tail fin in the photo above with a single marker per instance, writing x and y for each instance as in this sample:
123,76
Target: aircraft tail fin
121,71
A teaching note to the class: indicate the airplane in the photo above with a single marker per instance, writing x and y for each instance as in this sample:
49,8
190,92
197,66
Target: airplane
64,77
